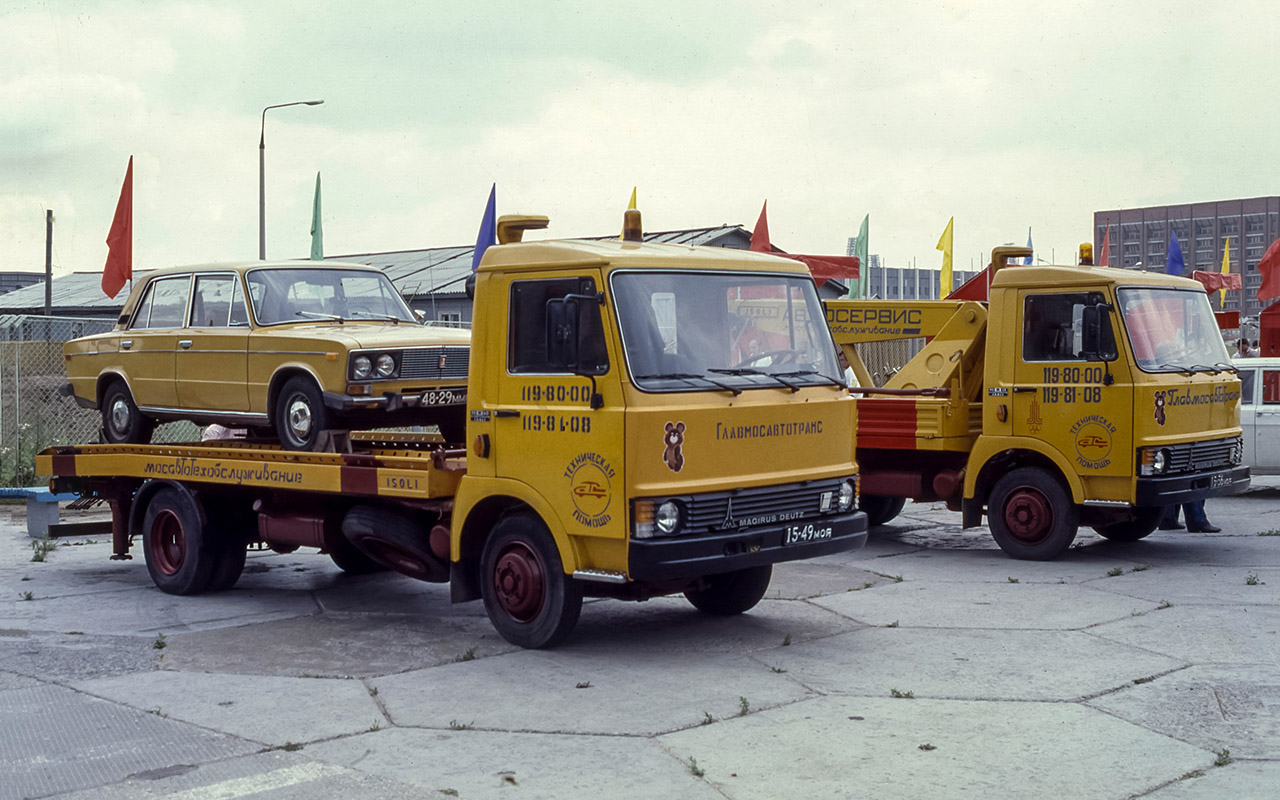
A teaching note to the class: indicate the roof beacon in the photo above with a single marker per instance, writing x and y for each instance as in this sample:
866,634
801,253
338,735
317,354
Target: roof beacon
632,231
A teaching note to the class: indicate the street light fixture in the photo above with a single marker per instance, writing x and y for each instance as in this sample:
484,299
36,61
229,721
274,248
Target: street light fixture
262,174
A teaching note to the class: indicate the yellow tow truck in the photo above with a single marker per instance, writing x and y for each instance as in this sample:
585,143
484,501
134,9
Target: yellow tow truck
1075,395
623,440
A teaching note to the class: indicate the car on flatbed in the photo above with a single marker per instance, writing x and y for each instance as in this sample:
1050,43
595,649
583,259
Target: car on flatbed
290,349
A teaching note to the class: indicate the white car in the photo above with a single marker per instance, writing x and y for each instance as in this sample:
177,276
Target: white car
1260,413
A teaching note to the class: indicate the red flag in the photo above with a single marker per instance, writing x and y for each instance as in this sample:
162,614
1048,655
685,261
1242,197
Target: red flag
119,268
1104,258
1269,266
760,236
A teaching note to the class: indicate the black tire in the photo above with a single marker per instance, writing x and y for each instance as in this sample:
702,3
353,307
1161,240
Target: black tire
393,541
1143,524
228,527
881,509
1031,515
730,593
529,598
300,416
228,567
179,555
350,560
122,422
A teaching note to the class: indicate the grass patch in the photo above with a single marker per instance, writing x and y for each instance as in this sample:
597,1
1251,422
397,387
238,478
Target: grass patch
1141,568
1147,679
1223,758
893,624
926,746
1013,580
582,685
1115,572
695,770
41,548
786,640
902,695
778,670
1272,532
707,719
28,596
744,707
160,643
1252,580
1163,605
470,655
459,726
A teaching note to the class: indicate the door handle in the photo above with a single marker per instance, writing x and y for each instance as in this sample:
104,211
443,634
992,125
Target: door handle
506,412
126,344
185,344
1021,389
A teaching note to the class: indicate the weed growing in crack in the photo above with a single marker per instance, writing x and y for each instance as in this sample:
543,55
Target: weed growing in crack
902,695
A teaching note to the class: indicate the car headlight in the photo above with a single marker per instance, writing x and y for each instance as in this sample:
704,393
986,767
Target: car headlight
667,517
845,498
1160,461
386,366
361,367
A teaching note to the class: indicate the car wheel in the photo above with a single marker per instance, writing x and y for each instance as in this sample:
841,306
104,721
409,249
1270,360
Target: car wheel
730,593
1031,515
179,556
530,600
1141,526
300,415
122,422
881,509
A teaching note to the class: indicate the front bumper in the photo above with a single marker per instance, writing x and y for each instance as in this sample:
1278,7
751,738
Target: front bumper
1172,489
397,401
695,556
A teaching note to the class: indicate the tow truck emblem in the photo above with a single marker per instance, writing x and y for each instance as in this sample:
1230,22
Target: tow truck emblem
728,516
440,366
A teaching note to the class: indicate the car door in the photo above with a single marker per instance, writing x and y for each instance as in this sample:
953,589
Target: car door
1248,376
211,362
147,347
1267,420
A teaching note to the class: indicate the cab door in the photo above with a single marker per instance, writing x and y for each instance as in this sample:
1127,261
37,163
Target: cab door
1076,406
211,362
546,433
147,348
1267,421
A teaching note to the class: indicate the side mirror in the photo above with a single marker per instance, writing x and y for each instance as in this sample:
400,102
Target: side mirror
1093,344
562,333
420,315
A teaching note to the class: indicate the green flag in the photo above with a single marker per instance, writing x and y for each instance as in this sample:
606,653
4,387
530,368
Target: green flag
864,269
317,234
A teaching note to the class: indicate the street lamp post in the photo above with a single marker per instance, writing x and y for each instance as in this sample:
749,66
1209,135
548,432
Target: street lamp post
262,174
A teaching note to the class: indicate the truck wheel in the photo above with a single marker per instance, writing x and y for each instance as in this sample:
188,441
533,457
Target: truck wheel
881,508
122,422
529,599
226,524
392,540
349,559
1141,526
730,593
1031,515
300,415
229,566
178,556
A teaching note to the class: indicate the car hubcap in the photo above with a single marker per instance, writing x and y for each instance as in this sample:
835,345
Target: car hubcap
518,579
299,417
1028,516
168,542
120,414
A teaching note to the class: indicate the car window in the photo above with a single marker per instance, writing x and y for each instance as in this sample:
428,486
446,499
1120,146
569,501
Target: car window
293,295
211,301
165,304
527,326
1053,327
239,315
1270,387
1246,386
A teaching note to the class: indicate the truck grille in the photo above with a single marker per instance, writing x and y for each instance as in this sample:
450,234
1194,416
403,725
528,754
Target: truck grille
1200,456
434,363
765,505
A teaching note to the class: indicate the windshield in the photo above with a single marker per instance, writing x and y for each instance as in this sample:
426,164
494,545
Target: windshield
688,331
1172,330
293,295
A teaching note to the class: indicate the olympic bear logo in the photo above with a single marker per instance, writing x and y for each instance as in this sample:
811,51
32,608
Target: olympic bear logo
674,439
1160,408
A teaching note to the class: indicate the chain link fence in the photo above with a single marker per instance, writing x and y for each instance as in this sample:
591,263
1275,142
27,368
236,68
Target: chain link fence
884,359
33,415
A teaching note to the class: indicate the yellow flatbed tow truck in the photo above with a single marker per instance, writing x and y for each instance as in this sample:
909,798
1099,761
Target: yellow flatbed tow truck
623,440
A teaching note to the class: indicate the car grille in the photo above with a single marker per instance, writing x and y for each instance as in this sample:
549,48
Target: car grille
1199,456
765,505
425,363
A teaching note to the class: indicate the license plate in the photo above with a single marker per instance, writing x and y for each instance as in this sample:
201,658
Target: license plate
798,534
444,397
1220,480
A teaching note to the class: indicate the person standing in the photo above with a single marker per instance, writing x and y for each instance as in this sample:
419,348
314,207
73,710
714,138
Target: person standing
1193,512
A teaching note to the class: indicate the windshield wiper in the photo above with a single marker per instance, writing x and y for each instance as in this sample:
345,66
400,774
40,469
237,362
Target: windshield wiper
802,372
1181,370
1224,367
752,371
688,376
318,315
371,315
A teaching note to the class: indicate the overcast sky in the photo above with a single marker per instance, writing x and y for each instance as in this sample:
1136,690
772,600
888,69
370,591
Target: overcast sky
1007,115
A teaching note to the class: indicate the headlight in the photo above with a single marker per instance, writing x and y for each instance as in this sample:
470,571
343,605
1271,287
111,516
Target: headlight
386,366
846,496
667,517
360,368
1153,460
1160,460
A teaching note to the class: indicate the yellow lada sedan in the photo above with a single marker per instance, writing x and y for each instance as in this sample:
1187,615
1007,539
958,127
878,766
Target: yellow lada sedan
294,348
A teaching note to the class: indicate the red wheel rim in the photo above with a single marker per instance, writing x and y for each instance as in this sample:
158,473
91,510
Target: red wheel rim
1028,515
168,542
519,581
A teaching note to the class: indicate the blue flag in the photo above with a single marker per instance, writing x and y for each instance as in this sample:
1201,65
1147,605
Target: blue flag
1027,259
488,230
1174,265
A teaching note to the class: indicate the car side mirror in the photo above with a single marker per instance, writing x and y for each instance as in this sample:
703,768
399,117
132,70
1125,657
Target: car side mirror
562,333
420,315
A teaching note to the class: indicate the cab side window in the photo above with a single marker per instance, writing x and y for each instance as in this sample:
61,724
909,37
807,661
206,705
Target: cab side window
164,305
1270,387
1246,377
527,326
211,302
1053,329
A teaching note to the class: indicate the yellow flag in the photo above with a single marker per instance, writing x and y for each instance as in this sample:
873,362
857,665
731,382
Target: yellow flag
1226,270
944,244
631,206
